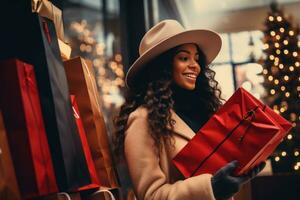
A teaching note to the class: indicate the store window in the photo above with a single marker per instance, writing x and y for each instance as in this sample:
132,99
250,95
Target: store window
93,32
238,63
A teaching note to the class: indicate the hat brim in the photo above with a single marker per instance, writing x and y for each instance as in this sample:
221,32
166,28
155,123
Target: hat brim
208,41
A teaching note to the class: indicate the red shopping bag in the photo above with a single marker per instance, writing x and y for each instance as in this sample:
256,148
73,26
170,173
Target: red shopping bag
95,183
21,109
243,129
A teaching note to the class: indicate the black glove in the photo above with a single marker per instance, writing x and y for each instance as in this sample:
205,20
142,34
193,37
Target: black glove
225,185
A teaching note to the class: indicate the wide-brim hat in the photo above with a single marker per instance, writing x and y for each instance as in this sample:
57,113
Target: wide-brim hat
166,35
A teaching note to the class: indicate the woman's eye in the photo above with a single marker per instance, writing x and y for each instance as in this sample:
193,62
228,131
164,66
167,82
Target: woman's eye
183,58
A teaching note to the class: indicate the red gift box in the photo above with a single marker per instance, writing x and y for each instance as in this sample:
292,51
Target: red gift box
243,129
95,183
26,133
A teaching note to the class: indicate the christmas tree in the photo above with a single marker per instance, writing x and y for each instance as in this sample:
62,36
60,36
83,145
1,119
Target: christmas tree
282,83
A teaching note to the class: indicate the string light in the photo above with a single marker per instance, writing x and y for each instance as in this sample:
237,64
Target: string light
276,45
295,54
287,94
293,117
298,88
282,88
270,78
266,46
296,153
283,153
281,30
285,42
277,158
294,124
289,136
297,64
278,51
286,78
276,81
272,33
285,51
291,33
281,66
271,57
291,68
277,37
296,167
272,91
279,18
282,110
271,18
265,71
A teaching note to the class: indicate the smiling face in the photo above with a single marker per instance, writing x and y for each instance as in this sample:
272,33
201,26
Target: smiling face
185,66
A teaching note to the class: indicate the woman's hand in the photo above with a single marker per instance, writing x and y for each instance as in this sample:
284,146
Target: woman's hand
225,185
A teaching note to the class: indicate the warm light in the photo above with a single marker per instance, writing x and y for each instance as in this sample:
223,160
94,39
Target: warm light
277,45
266,46
118,57
270,78
296,153
265,71
271,18
276,59
282,88
282,110
281,66
289,136
296,167
286,51
276,81
277,37
291,68
287,94
271,57
295,54
293,117
279,18
272,91
286,78
272,33
278,51
298,88
281,30
297,64
294,124
285,42
283,153
291,33
277,158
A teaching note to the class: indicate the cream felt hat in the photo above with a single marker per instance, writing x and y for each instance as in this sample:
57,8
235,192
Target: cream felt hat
166,35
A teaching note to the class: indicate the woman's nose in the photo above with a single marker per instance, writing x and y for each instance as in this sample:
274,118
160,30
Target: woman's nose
194,65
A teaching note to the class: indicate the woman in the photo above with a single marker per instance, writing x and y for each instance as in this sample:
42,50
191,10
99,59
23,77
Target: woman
171,94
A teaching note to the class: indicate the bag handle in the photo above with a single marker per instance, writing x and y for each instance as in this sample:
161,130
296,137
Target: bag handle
105,191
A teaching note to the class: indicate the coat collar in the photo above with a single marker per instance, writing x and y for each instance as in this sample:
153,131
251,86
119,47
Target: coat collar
181,128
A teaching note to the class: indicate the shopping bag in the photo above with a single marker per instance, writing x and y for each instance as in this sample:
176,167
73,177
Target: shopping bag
26,133
95,183
243,129
82,83
9,189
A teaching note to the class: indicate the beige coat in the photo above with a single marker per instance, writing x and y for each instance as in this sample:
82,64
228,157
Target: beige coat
155,177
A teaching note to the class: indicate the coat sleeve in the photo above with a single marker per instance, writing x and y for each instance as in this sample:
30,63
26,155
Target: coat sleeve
149,180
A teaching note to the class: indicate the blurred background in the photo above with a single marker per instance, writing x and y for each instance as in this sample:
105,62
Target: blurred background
260,52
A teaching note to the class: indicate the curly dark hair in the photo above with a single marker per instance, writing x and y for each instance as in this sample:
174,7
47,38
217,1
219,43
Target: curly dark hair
155,93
